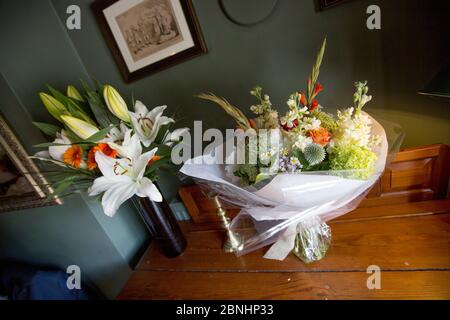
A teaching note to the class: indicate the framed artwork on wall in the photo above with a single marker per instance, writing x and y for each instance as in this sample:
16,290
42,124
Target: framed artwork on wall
146,36
22,185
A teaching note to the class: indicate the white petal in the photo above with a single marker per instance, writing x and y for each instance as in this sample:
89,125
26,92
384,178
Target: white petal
136,126
57,152
131,147
121,149
141,163
123,128
155,113
42,154
127,137
146,141
134,147
100,185
147,189
160,121
165,120
175,135
140,108
106,165
115,196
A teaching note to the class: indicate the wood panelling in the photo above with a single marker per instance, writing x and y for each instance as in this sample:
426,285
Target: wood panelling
415,174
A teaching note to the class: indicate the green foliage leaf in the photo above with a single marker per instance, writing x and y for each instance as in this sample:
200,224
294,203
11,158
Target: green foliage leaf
163,150
157,165
100,111
72,105
100,134
163,130
48,129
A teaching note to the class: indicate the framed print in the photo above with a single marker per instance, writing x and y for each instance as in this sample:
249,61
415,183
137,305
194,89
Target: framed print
146,36
22,185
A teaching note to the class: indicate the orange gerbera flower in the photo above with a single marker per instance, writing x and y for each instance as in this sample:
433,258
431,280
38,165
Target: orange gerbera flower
105,149
91,164
73,156
320,136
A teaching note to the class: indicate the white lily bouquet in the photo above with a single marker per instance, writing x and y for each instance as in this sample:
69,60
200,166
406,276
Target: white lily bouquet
103,148
291,174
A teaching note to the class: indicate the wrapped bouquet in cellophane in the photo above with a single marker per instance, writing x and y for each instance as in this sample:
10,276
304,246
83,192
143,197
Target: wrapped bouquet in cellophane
290,174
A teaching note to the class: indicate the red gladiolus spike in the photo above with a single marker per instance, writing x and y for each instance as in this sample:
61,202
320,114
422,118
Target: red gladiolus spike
317,88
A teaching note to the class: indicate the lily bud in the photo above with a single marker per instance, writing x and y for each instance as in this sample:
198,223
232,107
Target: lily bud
54,107
81,128
73,93
116,104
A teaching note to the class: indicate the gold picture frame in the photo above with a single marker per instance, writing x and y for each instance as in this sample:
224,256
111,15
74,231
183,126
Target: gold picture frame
22,185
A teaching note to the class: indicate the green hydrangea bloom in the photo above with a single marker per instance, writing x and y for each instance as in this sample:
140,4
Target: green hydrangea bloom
348,157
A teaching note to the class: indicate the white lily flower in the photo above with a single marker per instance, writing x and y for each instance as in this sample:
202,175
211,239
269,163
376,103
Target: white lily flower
147,123
55,152
174,136
122,179
116,134
130,148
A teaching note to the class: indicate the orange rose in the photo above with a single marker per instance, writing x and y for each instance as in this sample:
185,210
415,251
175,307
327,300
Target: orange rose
320,136
105,149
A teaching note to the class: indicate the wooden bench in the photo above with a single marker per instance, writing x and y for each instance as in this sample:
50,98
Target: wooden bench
403,227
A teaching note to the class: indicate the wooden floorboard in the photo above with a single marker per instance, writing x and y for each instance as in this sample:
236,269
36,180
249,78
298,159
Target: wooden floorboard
296,285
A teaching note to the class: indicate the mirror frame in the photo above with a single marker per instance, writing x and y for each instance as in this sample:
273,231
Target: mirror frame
30,171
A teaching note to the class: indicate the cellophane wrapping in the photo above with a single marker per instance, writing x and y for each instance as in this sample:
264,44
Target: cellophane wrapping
290,211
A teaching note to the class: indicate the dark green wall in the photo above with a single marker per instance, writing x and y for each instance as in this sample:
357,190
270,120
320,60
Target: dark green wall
277,54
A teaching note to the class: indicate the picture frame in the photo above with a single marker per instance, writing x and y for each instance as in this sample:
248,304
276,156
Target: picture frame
147,36
22,185
326,4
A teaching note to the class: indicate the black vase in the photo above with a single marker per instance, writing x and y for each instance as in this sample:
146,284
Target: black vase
162,225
